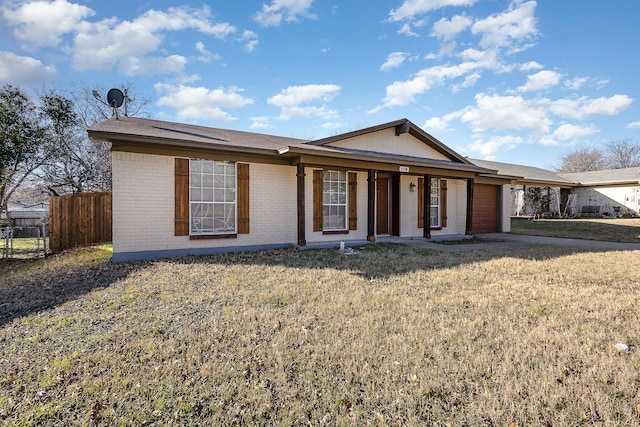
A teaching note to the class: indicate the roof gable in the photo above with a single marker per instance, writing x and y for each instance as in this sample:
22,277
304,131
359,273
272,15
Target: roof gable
400,137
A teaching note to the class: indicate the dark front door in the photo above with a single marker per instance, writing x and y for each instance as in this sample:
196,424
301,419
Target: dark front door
382,209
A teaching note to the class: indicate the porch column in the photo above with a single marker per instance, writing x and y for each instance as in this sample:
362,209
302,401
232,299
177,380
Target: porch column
371,206
302,240
426,208
469,225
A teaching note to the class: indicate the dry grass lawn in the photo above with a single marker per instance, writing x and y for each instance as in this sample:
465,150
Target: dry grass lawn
626,230
390,336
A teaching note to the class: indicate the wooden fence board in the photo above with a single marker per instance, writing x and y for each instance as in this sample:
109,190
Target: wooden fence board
79,219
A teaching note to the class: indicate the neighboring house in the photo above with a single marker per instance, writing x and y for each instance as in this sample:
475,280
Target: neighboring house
182,189
25,215
25,219
612,191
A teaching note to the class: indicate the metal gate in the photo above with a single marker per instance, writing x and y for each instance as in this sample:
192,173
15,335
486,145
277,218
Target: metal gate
24,241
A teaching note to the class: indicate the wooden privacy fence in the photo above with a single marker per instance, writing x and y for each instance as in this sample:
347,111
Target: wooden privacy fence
79,219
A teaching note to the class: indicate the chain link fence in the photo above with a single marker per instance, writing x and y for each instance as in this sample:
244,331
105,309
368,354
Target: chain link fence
24,242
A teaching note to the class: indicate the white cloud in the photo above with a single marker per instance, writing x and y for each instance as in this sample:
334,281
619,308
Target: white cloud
202,103
251,40
290,10
411,8
488,149
111,43
401,93
507,112
42,23
542,80
633,125
582,107
407,30
568,131
142,66
205,55
293,101
517,24
394,60
24,69
575,83
530,66
447,29
260,122
469,81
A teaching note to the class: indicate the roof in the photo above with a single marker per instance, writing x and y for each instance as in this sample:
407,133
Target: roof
22,210
527,174
157,131
626,176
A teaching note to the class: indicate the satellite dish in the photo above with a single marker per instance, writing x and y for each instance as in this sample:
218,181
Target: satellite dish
115,97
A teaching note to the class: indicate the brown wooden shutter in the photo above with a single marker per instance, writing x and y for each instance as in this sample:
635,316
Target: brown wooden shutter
420,202
353,201
181,197
318,179
443,203
243,198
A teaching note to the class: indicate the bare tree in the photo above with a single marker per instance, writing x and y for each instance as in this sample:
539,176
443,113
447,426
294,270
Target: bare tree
582,160
92,107
622,154
80,164
22,141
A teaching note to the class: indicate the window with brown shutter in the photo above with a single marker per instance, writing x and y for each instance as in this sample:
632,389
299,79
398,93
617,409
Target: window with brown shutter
353,201
318,177
443,203
243,198
181,218
420,202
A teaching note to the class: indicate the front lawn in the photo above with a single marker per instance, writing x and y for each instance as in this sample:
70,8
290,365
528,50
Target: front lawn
614,230
391,335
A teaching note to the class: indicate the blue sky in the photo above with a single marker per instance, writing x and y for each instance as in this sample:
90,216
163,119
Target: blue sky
514,81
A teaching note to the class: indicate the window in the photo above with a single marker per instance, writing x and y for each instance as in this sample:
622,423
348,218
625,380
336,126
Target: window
434,217
212,197
334,200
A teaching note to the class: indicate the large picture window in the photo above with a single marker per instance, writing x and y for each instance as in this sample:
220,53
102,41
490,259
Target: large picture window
212,197
334,200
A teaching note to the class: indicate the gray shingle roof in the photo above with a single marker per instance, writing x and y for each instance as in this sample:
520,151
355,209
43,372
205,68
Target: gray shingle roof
124,128
628,176
528,174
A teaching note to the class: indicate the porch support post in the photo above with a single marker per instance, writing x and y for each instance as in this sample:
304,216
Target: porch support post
371,206
302,240
469,225
426,208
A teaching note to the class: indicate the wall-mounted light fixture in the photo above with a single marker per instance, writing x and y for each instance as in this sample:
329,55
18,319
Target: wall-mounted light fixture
412,186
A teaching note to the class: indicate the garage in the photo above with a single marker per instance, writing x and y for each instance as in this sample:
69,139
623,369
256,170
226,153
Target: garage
485,209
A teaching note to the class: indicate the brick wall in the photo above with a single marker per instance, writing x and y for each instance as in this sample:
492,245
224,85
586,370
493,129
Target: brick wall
143,206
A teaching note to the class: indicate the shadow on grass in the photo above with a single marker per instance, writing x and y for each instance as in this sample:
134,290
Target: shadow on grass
31,286
45,287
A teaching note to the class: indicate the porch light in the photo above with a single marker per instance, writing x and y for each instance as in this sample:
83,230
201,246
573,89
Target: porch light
412,186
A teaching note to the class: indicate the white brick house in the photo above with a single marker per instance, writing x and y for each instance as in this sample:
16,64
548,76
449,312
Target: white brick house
183,189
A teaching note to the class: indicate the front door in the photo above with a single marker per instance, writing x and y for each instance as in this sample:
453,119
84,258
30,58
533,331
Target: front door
382,206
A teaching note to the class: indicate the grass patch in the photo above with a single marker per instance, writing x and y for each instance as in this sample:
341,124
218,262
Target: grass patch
23,247
625,230
395,336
